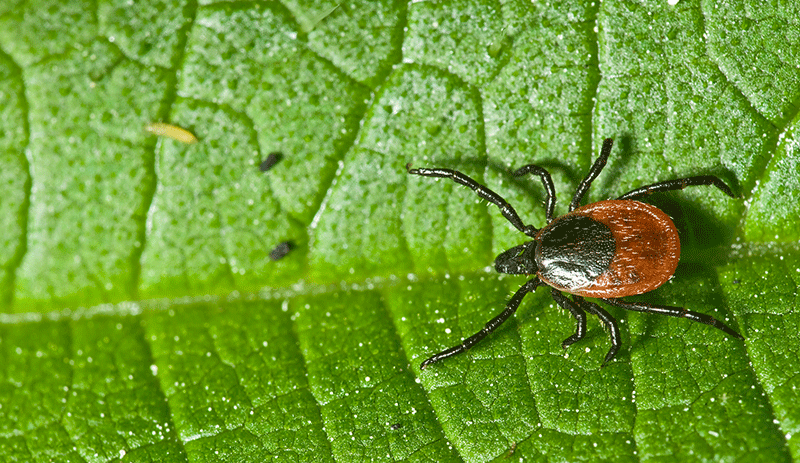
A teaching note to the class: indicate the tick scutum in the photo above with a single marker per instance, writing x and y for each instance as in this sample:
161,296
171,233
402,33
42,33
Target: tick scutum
573,251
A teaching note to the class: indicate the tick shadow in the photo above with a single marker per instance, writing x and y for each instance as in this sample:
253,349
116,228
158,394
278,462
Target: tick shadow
700,230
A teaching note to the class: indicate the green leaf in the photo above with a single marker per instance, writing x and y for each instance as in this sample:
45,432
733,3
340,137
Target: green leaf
143,320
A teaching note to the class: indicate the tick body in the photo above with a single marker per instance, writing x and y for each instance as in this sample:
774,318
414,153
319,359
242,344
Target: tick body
605,250
610,248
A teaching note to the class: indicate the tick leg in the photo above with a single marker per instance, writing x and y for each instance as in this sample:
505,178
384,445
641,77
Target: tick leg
577,312
511,307
678,312
484,192
679,184
550,202
608,320
593,173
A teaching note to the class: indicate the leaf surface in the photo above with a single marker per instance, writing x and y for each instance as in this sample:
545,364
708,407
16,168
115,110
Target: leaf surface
142,319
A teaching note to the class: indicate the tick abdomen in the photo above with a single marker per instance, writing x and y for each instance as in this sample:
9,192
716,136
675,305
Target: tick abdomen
645,254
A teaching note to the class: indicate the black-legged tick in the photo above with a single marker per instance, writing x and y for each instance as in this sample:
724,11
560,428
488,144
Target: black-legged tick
605,250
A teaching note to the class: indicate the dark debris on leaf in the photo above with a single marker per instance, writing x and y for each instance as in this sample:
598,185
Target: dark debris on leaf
272,159
280,251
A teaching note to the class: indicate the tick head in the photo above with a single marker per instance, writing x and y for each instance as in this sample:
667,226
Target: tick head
518,260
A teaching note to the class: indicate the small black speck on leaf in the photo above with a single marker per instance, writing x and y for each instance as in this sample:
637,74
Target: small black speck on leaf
272,159
397,426
281,250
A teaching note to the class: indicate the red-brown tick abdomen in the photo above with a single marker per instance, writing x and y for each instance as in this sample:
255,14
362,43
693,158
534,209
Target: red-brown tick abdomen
647,248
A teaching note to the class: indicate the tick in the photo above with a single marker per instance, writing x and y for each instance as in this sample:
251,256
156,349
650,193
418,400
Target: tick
604,250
